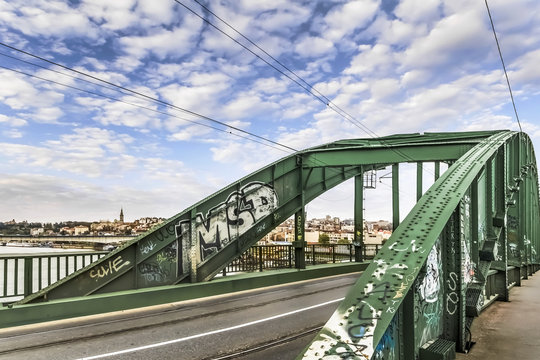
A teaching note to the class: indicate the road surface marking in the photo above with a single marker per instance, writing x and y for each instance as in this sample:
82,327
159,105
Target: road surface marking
145,347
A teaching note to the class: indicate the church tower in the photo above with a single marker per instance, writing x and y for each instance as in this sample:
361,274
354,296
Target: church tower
121,215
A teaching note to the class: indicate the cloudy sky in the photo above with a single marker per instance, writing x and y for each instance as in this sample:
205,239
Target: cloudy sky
74,150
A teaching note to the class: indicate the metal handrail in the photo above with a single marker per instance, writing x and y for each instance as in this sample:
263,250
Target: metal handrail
22,275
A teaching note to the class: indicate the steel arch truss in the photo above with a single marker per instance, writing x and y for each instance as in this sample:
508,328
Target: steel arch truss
469,238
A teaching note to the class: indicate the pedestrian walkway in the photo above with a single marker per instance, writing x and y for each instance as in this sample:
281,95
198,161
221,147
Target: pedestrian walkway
509,330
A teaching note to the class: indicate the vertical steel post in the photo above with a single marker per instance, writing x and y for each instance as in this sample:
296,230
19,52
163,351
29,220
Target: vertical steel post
358,217
395,196
500,214
437,169
475,228
299,241
194,252
299,222
28,275
419,179
454,297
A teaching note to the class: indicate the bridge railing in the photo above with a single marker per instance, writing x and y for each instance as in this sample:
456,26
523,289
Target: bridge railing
22,275
263,257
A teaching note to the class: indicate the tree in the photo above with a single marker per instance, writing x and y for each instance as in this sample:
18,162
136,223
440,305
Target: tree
343,241
324,238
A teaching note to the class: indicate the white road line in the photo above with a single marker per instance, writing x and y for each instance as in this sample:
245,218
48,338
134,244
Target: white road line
126,351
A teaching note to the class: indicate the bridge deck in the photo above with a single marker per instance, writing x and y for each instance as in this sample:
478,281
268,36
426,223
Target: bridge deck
509,330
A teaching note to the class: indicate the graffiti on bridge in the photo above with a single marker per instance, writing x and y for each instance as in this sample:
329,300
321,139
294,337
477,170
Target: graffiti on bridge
230,219
428,298
109,268
162,266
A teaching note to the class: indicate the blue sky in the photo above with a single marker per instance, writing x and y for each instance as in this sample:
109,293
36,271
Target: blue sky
396,66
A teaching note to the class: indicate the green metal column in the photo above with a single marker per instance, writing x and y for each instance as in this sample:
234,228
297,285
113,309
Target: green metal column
358,217
437,170
299,222
194,253
395,196
299,240
419,179
500,178
475,245
454,291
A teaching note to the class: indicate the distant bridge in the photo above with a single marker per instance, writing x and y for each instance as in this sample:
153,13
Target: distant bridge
64,239
470,238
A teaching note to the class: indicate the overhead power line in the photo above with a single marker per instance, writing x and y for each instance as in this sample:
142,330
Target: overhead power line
297,80
137,105
149,97
504,67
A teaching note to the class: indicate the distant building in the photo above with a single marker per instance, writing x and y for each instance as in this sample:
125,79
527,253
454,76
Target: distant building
36,231
81,230
121,215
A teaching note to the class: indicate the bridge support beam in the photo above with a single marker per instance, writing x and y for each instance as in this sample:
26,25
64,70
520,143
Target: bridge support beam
299,240
395,196
419,175
358,217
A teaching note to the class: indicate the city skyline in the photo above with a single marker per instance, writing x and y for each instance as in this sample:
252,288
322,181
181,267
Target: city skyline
73,149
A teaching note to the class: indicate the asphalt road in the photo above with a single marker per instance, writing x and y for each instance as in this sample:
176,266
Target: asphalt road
270,323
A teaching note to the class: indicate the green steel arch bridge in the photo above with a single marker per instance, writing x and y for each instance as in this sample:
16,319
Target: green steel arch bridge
470,237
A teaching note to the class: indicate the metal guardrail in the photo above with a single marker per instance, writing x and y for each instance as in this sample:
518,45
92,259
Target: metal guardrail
262,257
22,275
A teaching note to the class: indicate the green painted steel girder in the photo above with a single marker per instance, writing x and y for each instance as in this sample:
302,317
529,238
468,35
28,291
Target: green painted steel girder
200,241
378,155
426,284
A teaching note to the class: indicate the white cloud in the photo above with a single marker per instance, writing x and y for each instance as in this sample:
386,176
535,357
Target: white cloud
87,151
162,42
455,39
12,133
247,105
132,112
37,197
201,93
37,99
12,121
372,60
284,19
188,132
349,17
48,18
418,11
381,89
311,46
271,85
47,115
525,70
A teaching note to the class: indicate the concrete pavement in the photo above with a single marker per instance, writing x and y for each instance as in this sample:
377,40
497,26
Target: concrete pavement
509,330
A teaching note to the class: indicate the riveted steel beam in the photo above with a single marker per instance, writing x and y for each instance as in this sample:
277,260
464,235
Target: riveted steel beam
200,241
427,260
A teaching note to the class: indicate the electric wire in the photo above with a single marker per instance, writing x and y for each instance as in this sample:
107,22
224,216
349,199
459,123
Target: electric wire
322,98
139,106
146,97
372,134
120,88
150,97
503,65
307,88
310,88
58,72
